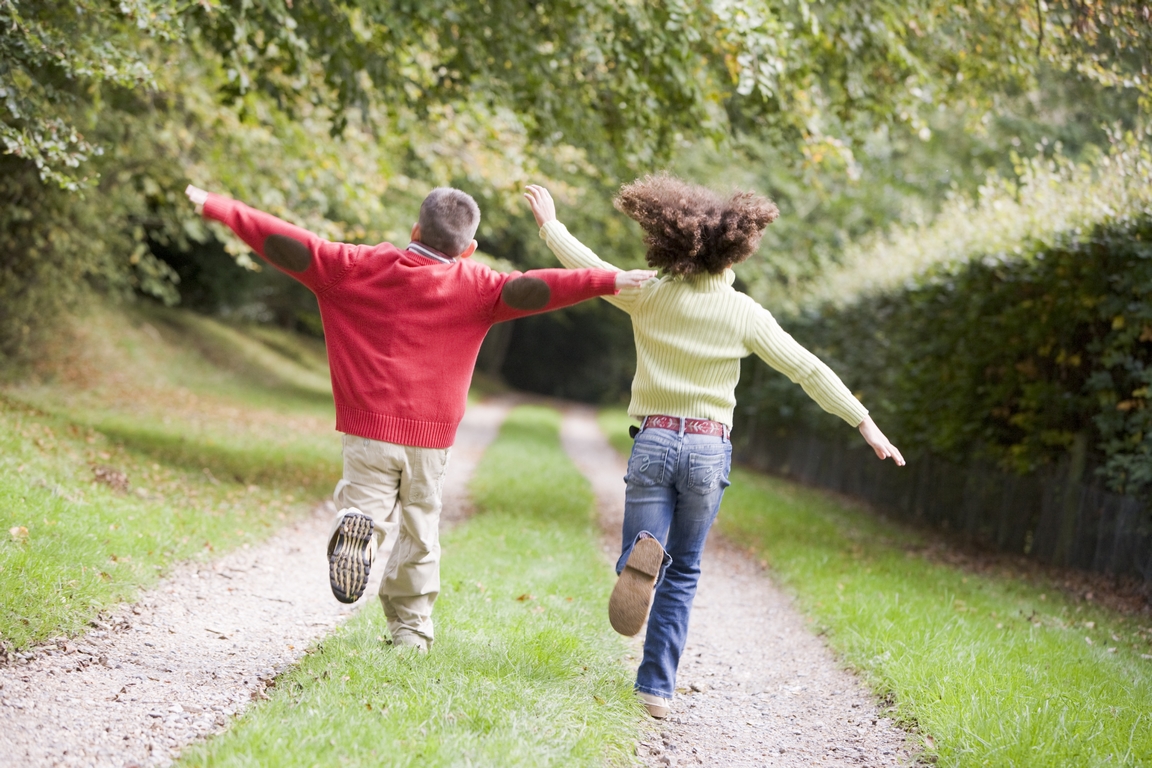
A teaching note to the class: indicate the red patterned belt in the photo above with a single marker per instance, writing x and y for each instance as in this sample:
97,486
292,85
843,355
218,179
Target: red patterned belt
693,426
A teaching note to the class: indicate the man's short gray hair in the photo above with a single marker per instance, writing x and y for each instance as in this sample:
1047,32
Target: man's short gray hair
448,220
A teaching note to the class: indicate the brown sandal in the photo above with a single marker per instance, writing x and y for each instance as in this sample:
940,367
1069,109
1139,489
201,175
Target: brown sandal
632,595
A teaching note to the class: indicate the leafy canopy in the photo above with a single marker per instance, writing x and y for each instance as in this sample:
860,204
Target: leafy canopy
622,79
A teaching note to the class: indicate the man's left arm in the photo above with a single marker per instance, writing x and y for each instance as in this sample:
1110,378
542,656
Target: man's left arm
543,290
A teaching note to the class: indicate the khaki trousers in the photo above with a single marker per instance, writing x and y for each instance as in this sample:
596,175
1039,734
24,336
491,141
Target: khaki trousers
400,487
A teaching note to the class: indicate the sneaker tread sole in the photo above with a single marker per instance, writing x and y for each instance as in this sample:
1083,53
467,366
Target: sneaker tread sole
351,559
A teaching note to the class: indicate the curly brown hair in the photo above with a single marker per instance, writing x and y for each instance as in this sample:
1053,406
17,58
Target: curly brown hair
691,230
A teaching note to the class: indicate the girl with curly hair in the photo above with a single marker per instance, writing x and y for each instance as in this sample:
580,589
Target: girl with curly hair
692,329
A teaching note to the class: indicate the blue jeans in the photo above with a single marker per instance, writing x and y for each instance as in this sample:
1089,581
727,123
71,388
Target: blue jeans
675,483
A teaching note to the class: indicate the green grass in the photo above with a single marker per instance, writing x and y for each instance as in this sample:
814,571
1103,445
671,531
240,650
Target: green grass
218,451
525,670
990,669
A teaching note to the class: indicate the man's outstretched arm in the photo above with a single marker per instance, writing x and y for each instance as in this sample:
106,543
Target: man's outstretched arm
315,262
543,290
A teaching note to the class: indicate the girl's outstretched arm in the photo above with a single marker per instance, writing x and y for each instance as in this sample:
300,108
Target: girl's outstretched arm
777,348
571,252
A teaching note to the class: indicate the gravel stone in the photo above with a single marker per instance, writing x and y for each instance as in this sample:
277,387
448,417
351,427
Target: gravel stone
210,638
755,686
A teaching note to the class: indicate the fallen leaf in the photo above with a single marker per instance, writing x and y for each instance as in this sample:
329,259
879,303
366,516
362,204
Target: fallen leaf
526,596
110,476
19,533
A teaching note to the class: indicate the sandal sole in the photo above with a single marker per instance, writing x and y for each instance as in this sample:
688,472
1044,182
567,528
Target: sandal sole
632,595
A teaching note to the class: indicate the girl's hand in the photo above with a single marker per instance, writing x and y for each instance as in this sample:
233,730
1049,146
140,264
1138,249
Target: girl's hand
197,196
633,278
543,208
880,444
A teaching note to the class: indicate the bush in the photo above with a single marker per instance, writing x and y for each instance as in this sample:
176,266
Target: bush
1018,356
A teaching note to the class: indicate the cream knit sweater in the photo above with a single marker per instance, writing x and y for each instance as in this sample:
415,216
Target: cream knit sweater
690,337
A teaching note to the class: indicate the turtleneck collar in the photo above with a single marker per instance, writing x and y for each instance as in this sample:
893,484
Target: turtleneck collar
708,283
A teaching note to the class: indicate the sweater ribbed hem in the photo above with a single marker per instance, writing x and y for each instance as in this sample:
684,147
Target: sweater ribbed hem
393,429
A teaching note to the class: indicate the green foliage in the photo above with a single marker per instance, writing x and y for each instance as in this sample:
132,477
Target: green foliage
51,54
340,114
609,74
832,212
1040,201
1007,354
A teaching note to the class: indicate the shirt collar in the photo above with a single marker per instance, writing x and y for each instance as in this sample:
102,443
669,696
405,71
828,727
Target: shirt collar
429,253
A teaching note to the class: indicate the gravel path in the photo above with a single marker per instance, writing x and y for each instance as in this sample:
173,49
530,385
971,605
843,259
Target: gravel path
756,688
151,677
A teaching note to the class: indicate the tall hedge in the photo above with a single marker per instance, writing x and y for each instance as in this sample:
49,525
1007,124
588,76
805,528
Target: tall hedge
1022,358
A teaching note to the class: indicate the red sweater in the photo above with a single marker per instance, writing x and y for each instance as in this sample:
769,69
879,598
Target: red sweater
402,329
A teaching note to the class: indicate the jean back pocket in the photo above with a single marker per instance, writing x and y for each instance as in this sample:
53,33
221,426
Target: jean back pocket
646,465
707,472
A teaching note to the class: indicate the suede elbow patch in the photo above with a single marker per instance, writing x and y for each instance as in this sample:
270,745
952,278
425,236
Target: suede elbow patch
287,252
526,293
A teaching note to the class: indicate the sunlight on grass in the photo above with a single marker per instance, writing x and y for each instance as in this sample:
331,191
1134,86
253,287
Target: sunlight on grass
525,670
996,671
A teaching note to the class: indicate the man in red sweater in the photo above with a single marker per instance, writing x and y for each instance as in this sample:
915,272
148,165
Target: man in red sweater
403,328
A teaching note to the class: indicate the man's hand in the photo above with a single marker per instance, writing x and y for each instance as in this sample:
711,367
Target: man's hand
633,278
197,196
543,207
875,438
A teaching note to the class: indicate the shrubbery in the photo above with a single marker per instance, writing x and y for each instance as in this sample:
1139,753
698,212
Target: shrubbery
1018,356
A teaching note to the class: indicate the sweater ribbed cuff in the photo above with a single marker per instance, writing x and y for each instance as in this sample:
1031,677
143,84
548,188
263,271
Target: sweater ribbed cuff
604,282
551,226
217,206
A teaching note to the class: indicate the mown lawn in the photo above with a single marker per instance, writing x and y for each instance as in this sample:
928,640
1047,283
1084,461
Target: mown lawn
525,670
207,437
990,670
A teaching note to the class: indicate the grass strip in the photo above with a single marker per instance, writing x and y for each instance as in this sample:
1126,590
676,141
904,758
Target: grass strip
992,670
525,670
195,462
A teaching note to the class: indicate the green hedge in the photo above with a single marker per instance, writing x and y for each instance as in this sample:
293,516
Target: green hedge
1018,358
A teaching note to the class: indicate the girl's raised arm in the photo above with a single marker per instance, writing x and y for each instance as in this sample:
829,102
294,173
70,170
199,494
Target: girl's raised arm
571,252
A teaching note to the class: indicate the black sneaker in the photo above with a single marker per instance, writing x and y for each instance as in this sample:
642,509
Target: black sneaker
350,553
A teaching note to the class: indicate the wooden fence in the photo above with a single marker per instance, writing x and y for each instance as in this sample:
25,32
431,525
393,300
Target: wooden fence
1046,515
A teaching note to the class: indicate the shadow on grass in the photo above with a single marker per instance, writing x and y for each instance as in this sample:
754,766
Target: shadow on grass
255,356
246,464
